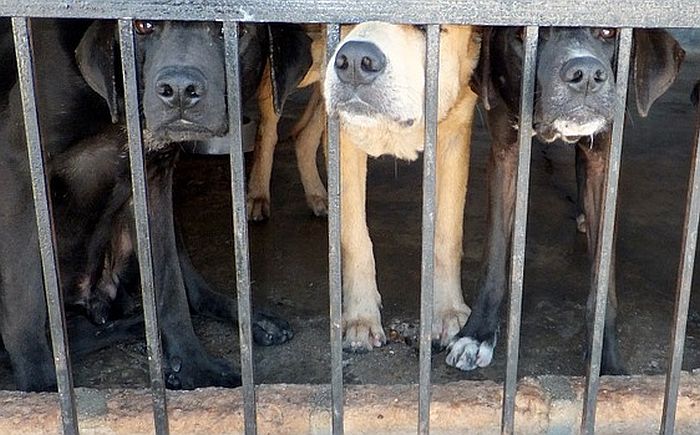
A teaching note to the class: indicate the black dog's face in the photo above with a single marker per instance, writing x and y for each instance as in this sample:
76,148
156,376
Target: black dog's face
575,91
183,85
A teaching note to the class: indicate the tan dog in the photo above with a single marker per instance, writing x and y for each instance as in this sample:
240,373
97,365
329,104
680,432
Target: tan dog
307,132
375,83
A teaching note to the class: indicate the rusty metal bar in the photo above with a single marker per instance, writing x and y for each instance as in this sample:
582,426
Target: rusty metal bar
608,13
335,277
603,255
45,227
143,233
683,287
240,223
517,266
432,72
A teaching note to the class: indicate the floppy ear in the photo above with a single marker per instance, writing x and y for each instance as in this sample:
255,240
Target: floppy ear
481,81
657,59
290,60
95,56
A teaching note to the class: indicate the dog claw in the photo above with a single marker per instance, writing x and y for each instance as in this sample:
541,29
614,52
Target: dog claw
466,354
269,330
258,208
318,205
362,336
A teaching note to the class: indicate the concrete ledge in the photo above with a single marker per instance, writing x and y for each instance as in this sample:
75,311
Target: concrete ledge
549,404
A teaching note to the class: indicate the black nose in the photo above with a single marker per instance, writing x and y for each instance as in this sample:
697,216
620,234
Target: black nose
180,86
584,74
359,63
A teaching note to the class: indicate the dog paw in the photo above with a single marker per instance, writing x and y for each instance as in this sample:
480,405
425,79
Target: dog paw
581,226
467,353
363,335
200,372
270,330
446,324
258,208
318,204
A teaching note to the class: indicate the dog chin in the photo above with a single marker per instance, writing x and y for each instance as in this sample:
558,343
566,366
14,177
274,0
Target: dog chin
569,131
186,132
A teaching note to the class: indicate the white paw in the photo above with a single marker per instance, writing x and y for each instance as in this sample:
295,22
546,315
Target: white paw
258,208
581,223
363,334
467,354
318,204
447,323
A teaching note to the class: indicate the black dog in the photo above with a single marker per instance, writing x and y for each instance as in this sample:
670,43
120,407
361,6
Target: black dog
575,98
182,88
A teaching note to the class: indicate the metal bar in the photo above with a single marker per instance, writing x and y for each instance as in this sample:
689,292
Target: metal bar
47,241
143,233
432,72
517,265
609,13
240,223
335,277
603,256
683,287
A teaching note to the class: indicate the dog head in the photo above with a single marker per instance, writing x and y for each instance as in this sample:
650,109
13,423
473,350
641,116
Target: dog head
575,90
376,75
181,71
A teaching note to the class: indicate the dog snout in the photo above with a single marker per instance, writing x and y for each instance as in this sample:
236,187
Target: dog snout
359,63
181,87
584,74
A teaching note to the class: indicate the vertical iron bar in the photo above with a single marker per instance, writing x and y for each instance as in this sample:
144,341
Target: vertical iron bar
47,241
601,278
334,251
240,223
143,233
517,265
432,72
683,287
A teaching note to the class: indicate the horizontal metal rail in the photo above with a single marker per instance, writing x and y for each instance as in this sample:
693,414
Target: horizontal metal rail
609,13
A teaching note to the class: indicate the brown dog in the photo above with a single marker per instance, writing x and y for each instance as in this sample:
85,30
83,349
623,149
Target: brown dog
375,83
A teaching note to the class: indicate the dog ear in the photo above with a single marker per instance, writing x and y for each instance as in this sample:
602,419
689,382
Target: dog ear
96,55
657,60
481,81
290,60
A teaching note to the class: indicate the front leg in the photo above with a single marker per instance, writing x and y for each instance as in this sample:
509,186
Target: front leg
187,364
594,162
362,324
450,311
473,346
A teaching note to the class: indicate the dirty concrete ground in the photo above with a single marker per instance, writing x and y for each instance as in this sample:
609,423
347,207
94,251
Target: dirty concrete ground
289,263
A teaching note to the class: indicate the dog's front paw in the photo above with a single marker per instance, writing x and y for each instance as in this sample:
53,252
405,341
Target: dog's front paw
203,371
467,353
318,204
270,330
363,334
258,208
447,323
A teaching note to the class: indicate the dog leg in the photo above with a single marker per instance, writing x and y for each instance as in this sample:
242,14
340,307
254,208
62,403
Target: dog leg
595,163
306,148
22,302
258,200
473,346
187,363
267,329
361,301
450,311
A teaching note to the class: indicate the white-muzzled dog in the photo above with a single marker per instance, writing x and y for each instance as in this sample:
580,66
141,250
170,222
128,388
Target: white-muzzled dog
375,83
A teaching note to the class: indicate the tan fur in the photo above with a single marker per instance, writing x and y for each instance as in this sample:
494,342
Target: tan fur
307,133
362,136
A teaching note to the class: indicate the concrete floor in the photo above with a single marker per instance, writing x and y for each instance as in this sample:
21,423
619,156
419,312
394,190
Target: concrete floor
289,263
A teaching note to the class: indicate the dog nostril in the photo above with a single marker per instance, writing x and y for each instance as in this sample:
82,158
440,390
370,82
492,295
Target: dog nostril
600,76
166,91
368,65
341,62
577,76
191,91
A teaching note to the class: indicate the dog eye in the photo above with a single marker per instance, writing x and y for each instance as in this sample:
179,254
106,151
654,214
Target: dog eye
144,27
607,33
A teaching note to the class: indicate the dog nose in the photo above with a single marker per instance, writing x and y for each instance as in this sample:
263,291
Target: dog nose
359,63
584,74
180,87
